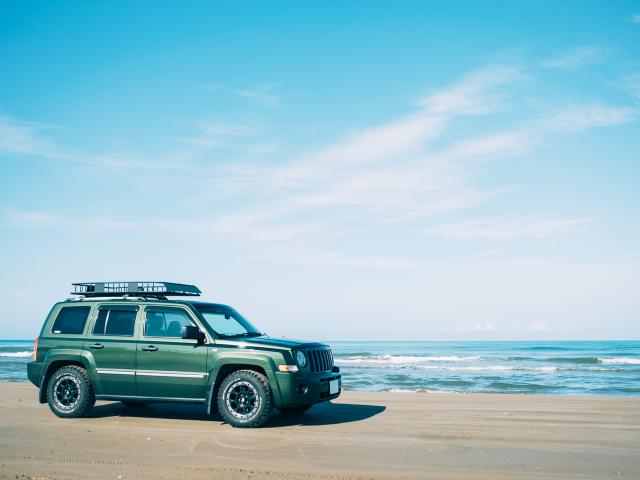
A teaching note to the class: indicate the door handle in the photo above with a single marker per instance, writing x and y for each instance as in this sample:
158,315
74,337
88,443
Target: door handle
96,346
150,348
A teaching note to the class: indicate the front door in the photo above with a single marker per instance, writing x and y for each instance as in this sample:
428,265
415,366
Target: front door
112,345
167,365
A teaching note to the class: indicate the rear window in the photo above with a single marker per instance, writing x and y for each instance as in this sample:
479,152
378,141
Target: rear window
71,320
115,321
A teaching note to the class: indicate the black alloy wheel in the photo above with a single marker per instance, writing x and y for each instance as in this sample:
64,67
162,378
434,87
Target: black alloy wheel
245,399
69,392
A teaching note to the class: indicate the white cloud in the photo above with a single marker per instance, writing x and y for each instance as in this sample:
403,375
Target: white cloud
576,57
401,172
501,144
31,219
384,169
17,137
474,94
583,116
252,228
635,18
507,228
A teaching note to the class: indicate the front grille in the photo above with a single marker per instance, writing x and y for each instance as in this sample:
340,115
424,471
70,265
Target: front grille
320,360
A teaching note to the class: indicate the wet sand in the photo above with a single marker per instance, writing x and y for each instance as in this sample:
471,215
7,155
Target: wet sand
361,435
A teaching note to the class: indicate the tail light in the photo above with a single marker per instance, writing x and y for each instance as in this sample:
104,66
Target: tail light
35,349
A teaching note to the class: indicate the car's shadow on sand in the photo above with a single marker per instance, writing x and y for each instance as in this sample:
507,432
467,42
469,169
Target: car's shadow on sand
321,414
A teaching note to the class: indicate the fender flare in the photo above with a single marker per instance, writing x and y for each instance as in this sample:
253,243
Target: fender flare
58,356
263,361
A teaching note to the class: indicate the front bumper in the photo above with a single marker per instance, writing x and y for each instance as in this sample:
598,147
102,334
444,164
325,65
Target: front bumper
306,389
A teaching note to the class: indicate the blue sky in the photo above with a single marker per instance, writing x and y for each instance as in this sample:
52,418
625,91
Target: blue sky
335,170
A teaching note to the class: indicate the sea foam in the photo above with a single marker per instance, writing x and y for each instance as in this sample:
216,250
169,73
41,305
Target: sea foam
382,359
16,354
620,361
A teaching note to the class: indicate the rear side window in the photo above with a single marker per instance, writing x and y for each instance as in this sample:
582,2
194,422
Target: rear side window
70,320
115,321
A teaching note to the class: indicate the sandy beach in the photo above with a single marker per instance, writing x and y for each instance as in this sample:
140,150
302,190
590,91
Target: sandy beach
362,435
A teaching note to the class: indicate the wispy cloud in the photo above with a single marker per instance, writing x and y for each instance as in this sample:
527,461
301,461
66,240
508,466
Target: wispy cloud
474,94
404,172
635,18
31,219
509,143
263,95
507,228
385,169
24,138
576,57
244,227
583,116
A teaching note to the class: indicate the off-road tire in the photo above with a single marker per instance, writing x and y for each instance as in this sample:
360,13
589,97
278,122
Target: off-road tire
245,399
300,409
129,404
69,392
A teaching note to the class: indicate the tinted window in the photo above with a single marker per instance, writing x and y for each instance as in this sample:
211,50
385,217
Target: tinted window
113,321
71,320
166,323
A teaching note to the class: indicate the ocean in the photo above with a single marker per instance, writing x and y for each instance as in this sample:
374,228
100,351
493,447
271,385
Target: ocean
565,368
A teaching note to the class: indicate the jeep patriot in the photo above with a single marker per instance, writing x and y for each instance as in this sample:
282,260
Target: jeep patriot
127,341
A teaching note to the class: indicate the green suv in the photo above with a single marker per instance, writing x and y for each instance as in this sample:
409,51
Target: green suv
127,341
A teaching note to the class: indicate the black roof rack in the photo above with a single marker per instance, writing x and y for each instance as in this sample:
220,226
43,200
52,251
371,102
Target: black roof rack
138,289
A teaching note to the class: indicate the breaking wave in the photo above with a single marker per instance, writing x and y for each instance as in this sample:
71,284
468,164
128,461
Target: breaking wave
382,359
16,354
620,361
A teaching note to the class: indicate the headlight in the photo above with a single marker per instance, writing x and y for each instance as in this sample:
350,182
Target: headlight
301,359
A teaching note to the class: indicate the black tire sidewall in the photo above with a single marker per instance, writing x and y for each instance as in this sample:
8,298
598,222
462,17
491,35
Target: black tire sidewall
260,414
85,400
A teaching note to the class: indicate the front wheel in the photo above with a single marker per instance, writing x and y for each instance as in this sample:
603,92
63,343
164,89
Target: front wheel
69,392
244,399
294,410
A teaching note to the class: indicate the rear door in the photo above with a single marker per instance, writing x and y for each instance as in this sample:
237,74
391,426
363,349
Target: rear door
167,365
112,344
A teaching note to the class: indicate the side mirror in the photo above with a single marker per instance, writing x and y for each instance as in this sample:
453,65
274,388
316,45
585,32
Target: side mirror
191,332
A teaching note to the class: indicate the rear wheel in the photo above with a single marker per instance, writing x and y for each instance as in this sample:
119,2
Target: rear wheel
244,399
294,410
69,392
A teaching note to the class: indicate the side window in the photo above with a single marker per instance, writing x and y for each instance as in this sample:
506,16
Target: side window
70,320
115,321
166,322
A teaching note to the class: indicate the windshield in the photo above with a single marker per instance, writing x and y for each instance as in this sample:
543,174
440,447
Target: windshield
226,322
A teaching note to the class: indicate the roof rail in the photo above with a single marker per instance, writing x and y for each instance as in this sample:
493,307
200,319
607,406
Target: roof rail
139,289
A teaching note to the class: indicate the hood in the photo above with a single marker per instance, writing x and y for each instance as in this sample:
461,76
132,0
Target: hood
279,342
